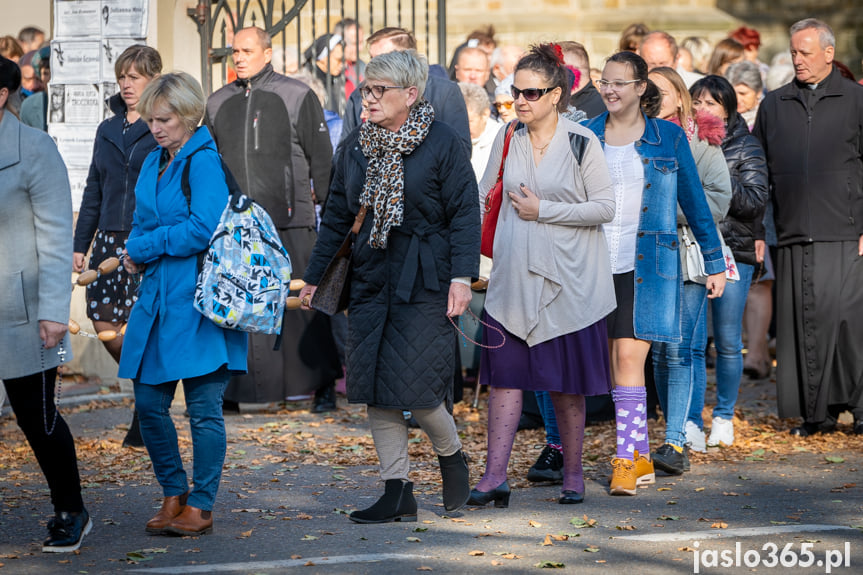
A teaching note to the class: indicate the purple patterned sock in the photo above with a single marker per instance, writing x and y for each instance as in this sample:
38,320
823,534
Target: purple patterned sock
630,411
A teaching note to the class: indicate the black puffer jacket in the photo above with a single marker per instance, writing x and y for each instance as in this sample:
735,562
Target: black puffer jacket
109,197
748,169
400,352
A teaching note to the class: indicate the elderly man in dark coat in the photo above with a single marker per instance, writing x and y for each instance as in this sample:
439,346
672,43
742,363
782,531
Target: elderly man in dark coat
812,133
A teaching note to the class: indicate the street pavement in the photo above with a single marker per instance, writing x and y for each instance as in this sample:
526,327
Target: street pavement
291,476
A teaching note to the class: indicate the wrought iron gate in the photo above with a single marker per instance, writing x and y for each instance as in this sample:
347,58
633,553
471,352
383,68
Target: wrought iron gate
294,27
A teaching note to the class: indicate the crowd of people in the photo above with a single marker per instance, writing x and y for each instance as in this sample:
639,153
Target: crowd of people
651,212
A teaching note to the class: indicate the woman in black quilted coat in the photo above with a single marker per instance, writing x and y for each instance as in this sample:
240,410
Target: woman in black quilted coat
748,169
413,258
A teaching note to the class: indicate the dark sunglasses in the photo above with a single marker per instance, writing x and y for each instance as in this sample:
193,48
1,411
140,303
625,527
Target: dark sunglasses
530,94
507,105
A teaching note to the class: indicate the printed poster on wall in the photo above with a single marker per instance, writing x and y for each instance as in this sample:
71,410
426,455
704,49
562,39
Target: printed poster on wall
74,104
74,142
124,18
77,181
74,61
77,18
111,48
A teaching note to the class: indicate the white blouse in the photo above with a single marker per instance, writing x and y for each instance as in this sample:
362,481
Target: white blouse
627,178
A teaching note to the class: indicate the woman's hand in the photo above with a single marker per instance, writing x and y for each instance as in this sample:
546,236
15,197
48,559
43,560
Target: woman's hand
51,333
306,295
715,285
527,206
459,298
130,265
78,262
760,246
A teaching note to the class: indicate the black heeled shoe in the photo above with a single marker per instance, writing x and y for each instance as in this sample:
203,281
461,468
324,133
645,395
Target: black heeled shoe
500,496
568,497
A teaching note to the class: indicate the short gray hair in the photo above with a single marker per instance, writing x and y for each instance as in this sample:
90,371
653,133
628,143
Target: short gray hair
746,73
402,68
180,92
475,97
825,33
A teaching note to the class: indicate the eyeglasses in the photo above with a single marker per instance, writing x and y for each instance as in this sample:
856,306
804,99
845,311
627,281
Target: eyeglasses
507,105
616,85
530,94
368,91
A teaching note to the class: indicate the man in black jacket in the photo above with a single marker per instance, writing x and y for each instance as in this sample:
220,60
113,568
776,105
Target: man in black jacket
812,133
585,96
271,132
442,94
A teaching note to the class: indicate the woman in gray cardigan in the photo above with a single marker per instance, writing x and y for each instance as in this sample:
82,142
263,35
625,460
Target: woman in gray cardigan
34,305
551,285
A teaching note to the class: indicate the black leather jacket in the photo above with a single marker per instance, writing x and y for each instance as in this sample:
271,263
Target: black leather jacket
748,169
109,197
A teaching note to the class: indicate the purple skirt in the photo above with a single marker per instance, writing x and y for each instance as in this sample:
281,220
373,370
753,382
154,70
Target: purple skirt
575,363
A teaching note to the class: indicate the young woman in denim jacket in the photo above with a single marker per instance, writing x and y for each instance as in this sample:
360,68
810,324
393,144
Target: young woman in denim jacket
652,170
679,368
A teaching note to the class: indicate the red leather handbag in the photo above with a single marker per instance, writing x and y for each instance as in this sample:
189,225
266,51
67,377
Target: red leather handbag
494,199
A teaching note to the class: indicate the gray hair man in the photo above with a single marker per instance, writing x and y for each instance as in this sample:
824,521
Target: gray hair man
812,133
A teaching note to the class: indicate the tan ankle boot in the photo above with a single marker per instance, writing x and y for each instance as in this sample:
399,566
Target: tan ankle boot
192,521
171,507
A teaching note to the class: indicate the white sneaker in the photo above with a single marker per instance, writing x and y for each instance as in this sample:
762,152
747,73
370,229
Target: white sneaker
722,432
695,437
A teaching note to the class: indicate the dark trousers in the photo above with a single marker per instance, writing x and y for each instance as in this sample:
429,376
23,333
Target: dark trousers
55,452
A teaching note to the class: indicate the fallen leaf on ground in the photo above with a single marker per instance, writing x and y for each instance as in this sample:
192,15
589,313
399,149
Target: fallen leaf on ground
550,565
476,553
533,523
719,525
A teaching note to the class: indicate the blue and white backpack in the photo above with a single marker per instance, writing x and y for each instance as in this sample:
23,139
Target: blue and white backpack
245,273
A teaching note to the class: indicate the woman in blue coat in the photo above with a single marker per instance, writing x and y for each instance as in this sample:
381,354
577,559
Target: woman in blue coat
167,339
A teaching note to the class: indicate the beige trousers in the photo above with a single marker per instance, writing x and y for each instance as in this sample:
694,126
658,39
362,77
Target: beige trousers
390,433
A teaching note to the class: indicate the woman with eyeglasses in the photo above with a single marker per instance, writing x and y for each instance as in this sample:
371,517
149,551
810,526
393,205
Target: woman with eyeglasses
551,286
679,367
405,177
652,172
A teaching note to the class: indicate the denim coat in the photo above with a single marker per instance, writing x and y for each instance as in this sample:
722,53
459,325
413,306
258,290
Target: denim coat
167,338
670,178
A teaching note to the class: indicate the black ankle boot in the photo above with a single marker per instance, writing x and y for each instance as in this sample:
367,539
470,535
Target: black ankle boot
133,436
455,476
396,504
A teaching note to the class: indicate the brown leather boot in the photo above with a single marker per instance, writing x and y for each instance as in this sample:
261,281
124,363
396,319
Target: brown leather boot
192,521
171,507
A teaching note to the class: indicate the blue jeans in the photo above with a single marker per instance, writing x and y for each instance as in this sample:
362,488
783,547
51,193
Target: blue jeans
546,408
679,367
204,401
727,328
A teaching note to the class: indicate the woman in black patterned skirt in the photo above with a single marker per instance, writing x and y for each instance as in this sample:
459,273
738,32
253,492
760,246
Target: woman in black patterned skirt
122,143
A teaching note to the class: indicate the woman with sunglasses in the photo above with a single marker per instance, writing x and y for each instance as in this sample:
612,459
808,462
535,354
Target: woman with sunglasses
503,102
652,172
550,287
414,255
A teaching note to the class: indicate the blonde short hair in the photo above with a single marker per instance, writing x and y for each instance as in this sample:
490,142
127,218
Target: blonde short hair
180,92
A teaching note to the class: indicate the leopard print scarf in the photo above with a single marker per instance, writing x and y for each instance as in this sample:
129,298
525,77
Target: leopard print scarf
385,176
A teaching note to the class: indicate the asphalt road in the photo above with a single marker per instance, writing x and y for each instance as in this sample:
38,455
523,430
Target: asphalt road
278,514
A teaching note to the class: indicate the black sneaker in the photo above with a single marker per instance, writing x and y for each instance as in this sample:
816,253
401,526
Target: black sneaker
66,532
548,467
671,461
